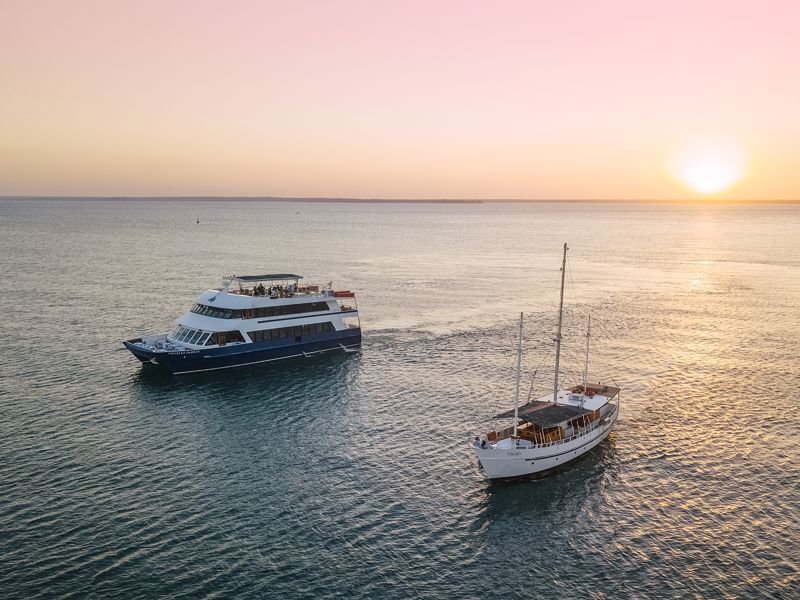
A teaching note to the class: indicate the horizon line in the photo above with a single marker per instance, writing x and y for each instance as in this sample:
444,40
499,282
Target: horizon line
334,199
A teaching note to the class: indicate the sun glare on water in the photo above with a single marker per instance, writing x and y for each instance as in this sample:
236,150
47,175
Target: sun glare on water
709,169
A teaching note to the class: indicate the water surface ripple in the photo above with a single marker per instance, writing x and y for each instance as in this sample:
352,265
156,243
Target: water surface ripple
349,475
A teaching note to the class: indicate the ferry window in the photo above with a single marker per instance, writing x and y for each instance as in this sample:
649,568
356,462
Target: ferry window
228,337
212,340
289,309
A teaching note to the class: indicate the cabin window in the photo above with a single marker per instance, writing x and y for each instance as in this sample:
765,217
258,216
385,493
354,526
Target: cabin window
295,331
260,312
189,336
229,337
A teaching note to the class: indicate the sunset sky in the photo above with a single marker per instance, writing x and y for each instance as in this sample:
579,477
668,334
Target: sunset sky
516,100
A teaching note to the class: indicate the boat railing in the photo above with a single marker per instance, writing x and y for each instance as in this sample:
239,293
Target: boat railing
283,294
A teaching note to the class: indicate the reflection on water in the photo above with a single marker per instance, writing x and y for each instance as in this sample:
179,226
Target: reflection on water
350,474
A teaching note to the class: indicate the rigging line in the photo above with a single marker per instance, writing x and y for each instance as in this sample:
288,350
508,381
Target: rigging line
577,313
536,370
498,389
574,296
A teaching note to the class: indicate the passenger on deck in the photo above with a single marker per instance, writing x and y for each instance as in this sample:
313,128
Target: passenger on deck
483,444
260,289
477,442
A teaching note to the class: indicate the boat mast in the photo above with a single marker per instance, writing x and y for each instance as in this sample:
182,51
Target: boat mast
560,315
586,364
519,368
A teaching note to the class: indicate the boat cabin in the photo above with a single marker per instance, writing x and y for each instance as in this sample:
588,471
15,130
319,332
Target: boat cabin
543,422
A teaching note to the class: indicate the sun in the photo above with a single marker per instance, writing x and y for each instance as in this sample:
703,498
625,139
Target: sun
709,169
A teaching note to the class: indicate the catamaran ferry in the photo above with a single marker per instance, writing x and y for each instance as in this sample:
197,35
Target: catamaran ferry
254,319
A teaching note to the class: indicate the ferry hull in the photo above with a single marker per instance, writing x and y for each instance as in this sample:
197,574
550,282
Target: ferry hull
240,355
518,463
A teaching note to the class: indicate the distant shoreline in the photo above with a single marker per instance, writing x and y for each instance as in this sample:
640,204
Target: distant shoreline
713,201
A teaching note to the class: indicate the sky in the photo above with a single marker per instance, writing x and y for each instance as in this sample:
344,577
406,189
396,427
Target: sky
407,100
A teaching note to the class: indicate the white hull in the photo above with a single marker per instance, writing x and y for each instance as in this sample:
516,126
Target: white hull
508,463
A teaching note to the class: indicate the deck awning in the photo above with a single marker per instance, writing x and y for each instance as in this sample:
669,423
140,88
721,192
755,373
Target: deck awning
269,277
546,414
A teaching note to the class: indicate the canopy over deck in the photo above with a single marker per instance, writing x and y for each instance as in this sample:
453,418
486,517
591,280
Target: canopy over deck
268,277
546,414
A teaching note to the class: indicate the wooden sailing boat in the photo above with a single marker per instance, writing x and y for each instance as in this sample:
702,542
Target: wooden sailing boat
548,433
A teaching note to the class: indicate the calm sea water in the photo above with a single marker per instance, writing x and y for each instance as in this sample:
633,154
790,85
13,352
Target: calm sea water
349,475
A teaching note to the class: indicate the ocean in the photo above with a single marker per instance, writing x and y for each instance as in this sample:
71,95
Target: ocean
350,475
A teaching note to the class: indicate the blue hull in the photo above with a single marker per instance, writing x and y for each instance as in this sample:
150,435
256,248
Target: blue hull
195,361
